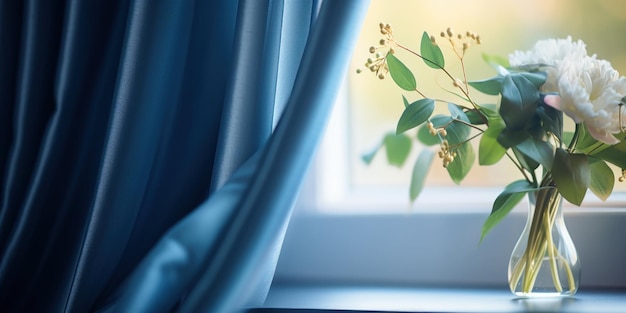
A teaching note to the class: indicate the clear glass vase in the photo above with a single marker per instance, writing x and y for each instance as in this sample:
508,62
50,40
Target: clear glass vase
544,262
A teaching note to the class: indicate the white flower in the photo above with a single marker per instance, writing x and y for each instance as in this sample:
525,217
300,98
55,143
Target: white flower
550,52
590,89
591,92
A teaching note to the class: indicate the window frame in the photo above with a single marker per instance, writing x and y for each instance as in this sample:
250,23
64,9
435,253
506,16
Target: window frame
339,235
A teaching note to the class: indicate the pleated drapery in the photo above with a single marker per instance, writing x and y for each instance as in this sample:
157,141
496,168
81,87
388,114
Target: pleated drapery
151,151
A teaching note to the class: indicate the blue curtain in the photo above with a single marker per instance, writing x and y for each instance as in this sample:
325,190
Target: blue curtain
151,151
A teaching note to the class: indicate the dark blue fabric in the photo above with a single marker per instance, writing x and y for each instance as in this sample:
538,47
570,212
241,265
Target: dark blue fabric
139,171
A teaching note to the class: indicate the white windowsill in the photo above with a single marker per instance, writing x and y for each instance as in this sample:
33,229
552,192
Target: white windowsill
406,299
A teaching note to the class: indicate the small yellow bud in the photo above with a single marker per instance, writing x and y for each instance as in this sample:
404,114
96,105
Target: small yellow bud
392,51
443,132
466,45
382,41
372,49
478,41
358,71
450,32
381,76
442,34
459,36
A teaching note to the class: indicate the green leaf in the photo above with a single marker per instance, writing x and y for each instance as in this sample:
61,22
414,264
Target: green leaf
571,175
400,73
420,170
614,154
397,148
526,162
495,60
586,143
537,78
463,162
602,179
424,136
405,101
491,86
431,53
441,120
415,114
369,156
505,202
552,120
460,132
538,150
484,112
511,138
519,101
490,151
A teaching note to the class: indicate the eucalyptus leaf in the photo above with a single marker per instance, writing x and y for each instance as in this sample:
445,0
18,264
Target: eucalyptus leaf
397,148
457,112
475,117
441,120
505,202
491,86
585,143
490,151
415,114
571,175
602,179
519,101
526,162
457,131
537,78
538,150
368,157
401,74
614,154
552,120
420,170
431,53
511,138
495,60
463,162
424,136
405,101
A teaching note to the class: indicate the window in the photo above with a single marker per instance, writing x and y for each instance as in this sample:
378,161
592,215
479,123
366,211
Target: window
354,223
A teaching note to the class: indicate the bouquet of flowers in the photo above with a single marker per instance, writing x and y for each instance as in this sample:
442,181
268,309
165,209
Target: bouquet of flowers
536,90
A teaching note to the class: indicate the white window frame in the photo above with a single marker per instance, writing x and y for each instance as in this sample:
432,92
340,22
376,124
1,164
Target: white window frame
343,236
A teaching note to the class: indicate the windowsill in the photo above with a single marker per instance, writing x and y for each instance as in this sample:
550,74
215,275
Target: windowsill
295,298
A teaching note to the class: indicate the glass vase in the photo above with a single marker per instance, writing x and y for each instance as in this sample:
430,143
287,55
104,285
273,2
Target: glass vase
544,262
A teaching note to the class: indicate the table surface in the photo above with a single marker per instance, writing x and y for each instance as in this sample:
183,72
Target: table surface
295,298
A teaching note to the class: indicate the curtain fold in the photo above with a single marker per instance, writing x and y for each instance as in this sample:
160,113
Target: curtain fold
139,168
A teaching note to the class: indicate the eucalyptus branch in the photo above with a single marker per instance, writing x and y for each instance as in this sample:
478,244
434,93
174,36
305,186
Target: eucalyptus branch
454,80
521,169
467,124
420,93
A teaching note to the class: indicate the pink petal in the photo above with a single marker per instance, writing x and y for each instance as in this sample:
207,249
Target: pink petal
553,101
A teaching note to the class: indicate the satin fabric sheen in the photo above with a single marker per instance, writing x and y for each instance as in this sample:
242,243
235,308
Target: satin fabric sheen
151,151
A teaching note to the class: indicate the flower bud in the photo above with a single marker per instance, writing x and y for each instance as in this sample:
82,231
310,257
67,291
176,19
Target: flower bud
450,32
